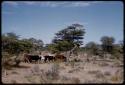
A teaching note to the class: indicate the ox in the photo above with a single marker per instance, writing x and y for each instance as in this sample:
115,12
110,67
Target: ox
60,57
49,58
30,58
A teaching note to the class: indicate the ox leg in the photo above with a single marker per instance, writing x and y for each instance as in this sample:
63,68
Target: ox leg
45,60
27,60
38,61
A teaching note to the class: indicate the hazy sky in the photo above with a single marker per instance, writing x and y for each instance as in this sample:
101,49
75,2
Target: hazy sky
42,20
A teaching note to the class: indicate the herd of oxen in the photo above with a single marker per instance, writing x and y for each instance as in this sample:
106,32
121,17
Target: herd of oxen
47,58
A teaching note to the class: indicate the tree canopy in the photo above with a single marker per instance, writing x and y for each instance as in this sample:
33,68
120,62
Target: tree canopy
12,44
65,39
107,43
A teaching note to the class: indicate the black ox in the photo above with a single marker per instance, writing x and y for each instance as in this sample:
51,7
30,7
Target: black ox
30,58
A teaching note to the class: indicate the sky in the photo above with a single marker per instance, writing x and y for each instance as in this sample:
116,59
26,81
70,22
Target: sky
42,19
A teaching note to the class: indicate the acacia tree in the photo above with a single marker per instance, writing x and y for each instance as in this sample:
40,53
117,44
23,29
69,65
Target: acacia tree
12,44
92,47
107,43
65,39
37,44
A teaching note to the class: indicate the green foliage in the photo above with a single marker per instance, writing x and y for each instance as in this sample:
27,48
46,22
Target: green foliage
72,33
12,36
107,43
117,51
92,47
52,48
60,46
66,38
12,45
108,46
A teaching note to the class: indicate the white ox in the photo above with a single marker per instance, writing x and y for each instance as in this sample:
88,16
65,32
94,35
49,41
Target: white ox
42,58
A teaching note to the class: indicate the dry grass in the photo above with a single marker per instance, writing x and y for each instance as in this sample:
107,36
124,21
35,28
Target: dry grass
93,72
75,80
14,81
99,75
116,79
103,64
73,72
14,72
50,76
107,73
69,80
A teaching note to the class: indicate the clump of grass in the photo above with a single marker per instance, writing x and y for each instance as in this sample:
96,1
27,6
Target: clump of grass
36,70
14,72
99,75
117,64
115,78
34,79
93,72
95,81
30,79
75,80
77,60
72,63
41,76
63,67
103,64
13,81
107,73
74,70
64,78
66,64
53,73
70,71
118,77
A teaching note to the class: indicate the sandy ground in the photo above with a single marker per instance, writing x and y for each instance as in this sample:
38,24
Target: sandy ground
85,72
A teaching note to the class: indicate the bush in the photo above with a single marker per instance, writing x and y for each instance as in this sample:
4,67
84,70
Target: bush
93,72
53,73
116,78
107,73
36,70
103,64
72,63
75,80
99,75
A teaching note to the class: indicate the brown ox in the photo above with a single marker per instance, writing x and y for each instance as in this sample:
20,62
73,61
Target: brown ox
60,57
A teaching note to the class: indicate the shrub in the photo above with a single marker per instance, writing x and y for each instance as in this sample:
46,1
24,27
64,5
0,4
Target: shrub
13,81
53,73
99,75
70,71
93,72
75,80
36,70
64,78
114,78
107,73
103,64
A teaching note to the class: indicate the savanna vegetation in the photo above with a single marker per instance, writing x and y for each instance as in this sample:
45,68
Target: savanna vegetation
64,40
69,39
